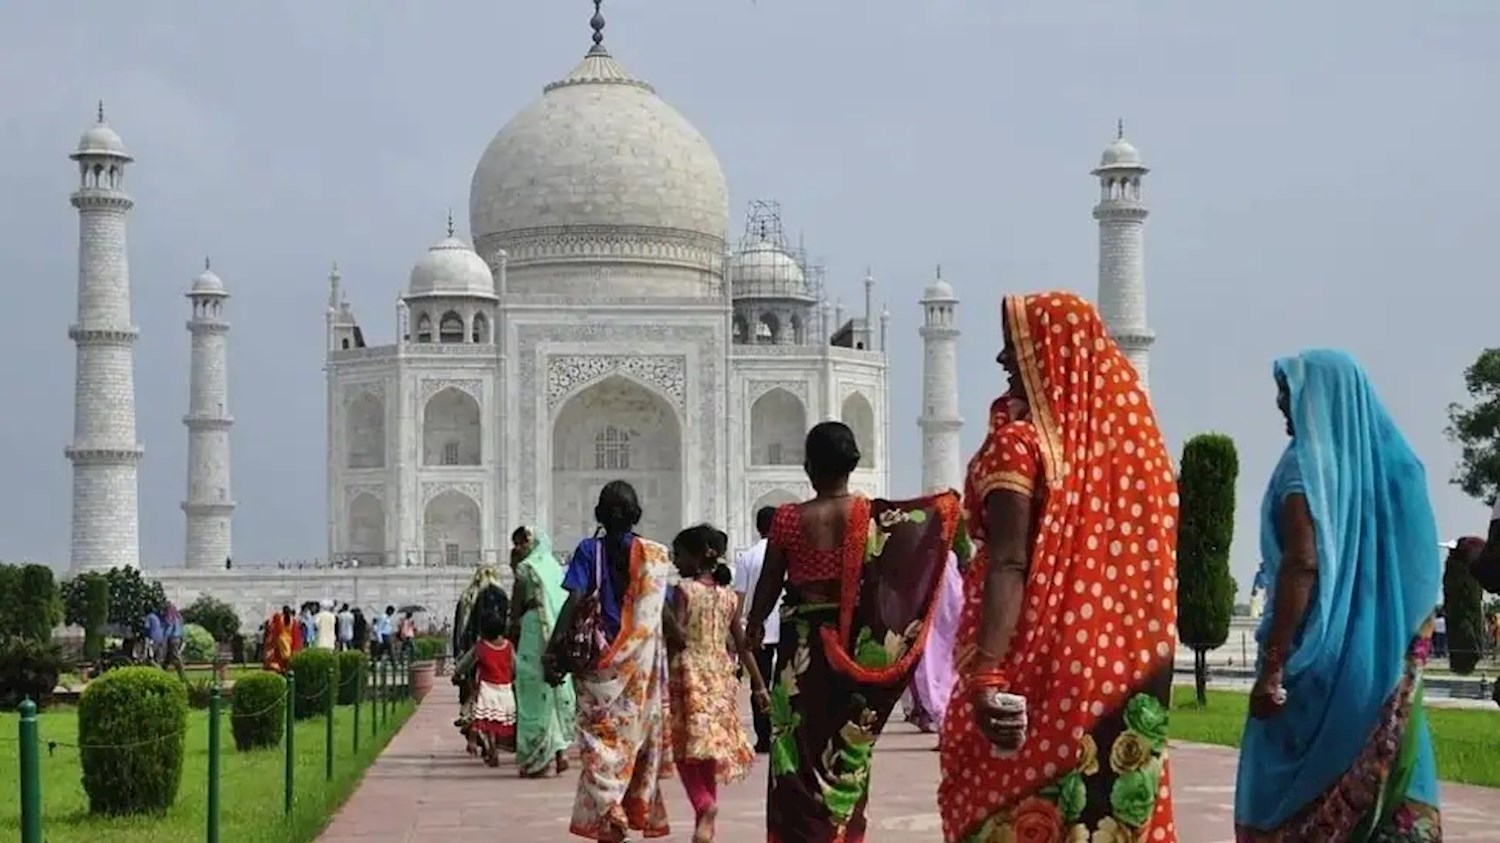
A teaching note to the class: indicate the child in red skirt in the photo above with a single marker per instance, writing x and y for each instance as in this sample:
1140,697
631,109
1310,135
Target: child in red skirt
494,665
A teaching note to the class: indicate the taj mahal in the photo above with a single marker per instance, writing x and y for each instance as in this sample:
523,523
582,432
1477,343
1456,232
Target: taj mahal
602,322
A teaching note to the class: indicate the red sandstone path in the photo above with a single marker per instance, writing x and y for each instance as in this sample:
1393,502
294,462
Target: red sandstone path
424,789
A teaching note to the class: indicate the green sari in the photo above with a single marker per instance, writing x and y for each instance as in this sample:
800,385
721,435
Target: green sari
545,721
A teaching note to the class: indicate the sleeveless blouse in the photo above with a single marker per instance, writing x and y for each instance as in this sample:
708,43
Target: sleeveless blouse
804,563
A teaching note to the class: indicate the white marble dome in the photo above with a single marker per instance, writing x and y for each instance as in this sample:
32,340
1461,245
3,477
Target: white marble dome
1120,153
208,282
451,268
100,139
938,290
764,269
600,169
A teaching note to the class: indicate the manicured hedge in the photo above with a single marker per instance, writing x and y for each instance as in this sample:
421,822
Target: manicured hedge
353,673
258,714
317,672
132,725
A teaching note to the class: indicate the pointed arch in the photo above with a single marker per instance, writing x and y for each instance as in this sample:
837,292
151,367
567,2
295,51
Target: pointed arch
365,530
778,427
452,429
451,530
859,415
364,431
451,328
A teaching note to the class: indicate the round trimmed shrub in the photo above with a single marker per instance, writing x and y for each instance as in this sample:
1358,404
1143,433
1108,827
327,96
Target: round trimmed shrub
257,715
428,647
198,645
317,673
353,667
132,725
28,670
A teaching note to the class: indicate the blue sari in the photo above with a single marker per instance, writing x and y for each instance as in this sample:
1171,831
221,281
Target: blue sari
1349,757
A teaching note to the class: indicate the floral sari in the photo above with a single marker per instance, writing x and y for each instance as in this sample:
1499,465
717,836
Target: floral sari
621,719
283,640
846,664
1092,650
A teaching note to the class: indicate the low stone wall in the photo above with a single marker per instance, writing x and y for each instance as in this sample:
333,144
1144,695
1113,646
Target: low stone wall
255,594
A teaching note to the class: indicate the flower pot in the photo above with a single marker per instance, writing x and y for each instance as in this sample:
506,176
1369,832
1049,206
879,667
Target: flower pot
423,674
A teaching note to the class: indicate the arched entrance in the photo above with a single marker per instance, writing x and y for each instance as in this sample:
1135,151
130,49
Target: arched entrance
616,430
450,530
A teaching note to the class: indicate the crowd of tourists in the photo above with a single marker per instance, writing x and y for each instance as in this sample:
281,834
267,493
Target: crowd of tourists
318,624
1030,622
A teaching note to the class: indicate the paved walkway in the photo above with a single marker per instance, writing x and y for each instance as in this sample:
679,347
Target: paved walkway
424,789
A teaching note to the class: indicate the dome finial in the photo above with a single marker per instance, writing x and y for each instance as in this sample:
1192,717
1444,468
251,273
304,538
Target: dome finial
450,222
101,111
1120,129
207,264
939,272
597,23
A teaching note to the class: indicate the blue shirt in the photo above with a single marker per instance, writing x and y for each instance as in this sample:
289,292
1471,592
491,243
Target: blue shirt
383,627
154,630
174,629
580,579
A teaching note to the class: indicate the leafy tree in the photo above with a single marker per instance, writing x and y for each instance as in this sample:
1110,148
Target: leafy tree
214,615
1476,428
30,605
95,613
131,599
1205,590
1463,605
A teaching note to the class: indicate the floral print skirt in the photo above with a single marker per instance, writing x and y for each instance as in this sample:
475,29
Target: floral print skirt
1119,790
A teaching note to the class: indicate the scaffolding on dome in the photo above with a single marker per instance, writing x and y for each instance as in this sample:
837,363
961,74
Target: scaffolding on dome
763,225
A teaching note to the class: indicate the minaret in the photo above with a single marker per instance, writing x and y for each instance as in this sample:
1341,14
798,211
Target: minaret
1122,273
942,461
104,453
209,506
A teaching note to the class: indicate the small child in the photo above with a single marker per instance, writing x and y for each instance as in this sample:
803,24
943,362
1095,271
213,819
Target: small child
709,742
493,717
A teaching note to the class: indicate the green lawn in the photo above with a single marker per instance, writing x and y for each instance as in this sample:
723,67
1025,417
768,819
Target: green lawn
75,682
250,784
1464,740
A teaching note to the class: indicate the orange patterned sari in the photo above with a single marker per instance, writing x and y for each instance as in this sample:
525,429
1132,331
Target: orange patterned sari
1092,651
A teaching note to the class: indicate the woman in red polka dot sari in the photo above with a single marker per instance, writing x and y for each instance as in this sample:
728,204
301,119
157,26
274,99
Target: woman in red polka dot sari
1057,730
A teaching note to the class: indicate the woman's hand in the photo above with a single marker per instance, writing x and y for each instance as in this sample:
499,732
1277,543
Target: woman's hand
755,635
1267,696
552,670
761,699
1001,718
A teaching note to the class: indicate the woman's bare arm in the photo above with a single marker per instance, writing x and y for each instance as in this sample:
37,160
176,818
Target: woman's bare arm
741,647
1007,516
768,588
671,625
1295,579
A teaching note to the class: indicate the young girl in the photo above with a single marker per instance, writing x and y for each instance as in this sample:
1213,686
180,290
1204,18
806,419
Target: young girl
709,742
494,712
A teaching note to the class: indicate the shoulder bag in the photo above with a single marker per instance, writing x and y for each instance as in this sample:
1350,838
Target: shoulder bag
586,641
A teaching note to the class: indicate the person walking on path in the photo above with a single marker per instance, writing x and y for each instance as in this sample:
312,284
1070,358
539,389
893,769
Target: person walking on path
748,565
1336,746
1065,649
173,630
345,627
859,578
327,624
621,693
385,634
545,714
156,638
709,744
490,665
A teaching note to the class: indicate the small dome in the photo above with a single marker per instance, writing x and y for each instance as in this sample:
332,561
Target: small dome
765,270
1120,153
938,289
451,268
208,282
100,139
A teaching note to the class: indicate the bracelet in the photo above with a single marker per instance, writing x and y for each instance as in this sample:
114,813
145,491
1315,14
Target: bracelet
990,679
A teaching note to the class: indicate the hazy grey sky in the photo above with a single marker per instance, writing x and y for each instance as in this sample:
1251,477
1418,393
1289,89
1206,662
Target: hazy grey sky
1319,177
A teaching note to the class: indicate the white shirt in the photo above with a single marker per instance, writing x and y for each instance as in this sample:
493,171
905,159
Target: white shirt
747,567
325,621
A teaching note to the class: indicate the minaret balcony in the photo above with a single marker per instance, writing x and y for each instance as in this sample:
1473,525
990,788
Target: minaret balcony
1134,337
103,336
104,456
220,508
95,198
1115,210
205,421
208,326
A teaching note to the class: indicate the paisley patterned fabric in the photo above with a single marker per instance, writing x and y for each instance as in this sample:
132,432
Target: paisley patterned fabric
621,718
